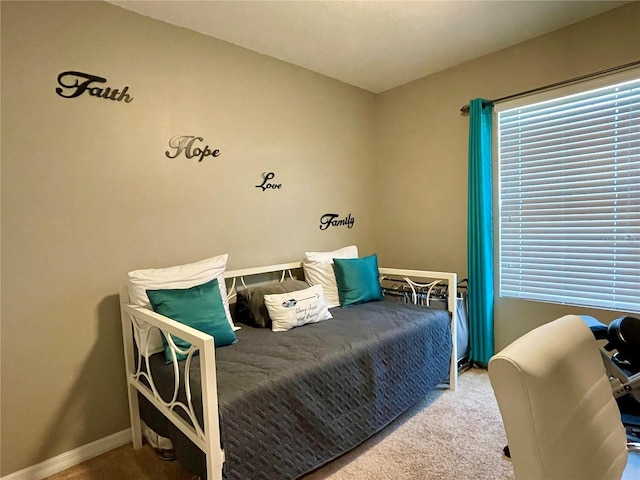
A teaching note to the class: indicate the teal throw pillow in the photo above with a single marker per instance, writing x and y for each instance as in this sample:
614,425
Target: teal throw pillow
358,280
199,307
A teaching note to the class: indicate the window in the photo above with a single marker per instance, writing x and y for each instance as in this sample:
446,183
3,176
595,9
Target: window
570,197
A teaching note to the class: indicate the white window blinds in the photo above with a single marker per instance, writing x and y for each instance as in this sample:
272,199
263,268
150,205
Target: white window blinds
570,199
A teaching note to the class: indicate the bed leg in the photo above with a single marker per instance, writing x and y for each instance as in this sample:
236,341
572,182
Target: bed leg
129,362
134,414
214,468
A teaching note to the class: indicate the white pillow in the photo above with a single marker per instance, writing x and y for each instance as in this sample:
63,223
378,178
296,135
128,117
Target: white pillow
288,310
318,270
179,276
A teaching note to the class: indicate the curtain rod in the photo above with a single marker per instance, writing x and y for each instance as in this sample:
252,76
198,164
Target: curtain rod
465,110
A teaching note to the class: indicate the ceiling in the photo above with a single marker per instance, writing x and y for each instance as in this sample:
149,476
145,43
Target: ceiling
375,45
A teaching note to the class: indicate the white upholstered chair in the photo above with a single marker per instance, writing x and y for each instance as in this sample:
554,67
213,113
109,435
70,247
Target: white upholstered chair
559,414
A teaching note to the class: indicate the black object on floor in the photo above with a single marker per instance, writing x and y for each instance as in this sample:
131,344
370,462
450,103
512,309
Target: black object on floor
506,451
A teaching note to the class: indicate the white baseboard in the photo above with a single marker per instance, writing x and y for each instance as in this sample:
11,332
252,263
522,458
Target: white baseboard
72,458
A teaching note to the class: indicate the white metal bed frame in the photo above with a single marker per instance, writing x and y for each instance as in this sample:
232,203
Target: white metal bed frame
206,436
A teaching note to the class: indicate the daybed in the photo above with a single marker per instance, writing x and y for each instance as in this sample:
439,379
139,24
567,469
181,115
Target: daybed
279,405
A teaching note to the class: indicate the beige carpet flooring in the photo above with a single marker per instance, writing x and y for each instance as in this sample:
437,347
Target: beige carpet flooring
446,436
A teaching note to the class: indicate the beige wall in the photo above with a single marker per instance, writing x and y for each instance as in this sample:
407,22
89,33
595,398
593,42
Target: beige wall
423,140
88,194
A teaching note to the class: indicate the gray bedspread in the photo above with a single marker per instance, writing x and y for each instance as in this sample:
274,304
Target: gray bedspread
291,401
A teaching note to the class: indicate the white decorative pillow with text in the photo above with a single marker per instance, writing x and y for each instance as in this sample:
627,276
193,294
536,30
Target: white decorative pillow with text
289,310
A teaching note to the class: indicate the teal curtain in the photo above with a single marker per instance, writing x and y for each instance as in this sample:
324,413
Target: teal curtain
480,233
